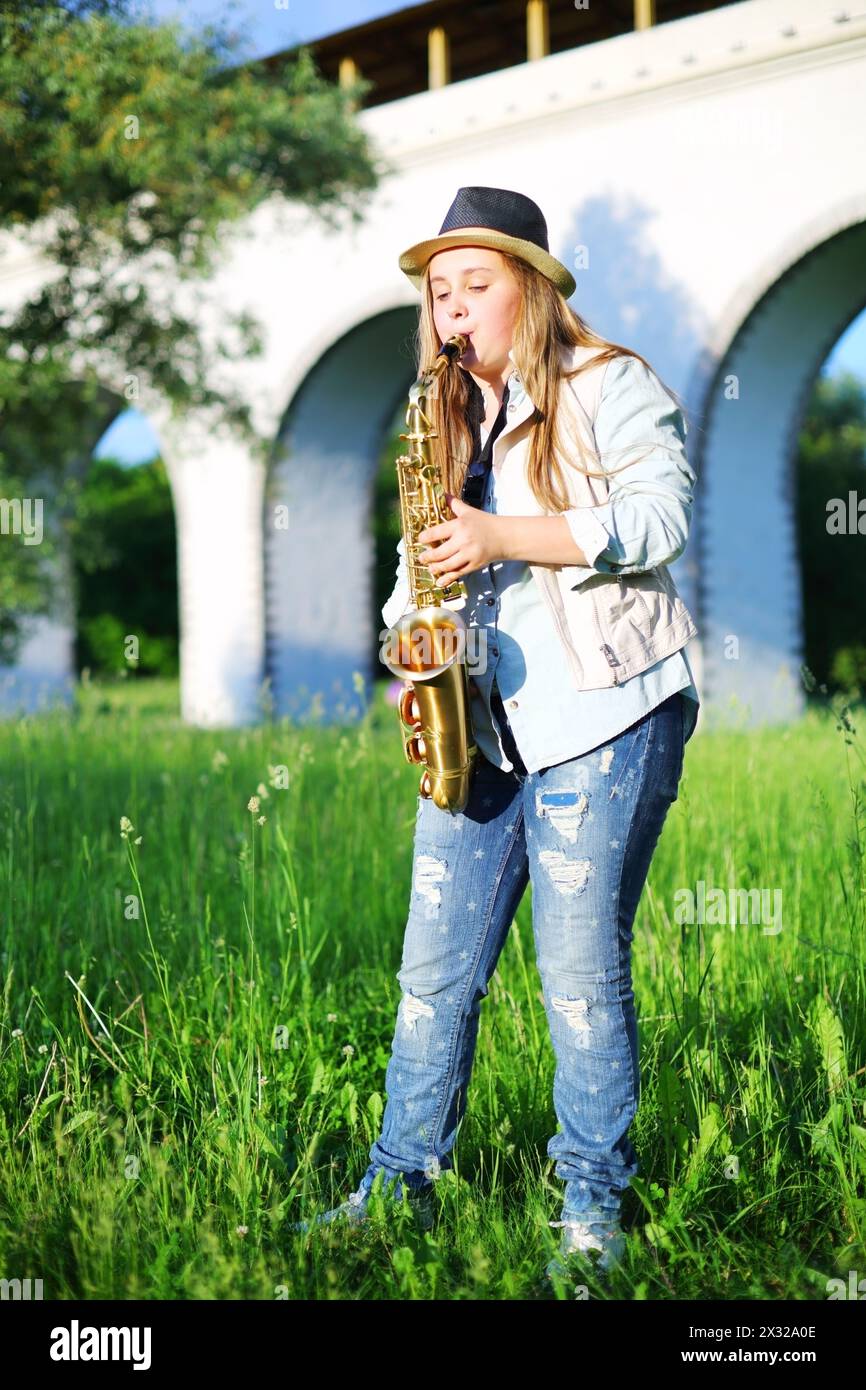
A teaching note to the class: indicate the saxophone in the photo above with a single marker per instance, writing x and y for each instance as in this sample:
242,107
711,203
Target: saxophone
428,644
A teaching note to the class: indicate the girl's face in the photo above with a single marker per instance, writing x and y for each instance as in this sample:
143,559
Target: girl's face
474,293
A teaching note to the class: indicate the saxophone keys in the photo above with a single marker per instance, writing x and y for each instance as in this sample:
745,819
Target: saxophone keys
416,750
408,709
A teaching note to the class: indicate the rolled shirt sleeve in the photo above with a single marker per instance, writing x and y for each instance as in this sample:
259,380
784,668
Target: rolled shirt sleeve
648,512
588,531
399,600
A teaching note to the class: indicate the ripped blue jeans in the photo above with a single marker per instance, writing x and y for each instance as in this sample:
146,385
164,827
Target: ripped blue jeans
583,833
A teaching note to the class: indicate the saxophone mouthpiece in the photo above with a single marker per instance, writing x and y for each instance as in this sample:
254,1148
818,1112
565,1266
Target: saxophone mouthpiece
455,347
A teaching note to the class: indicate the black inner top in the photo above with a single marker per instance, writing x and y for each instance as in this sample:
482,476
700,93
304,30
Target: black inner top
476,476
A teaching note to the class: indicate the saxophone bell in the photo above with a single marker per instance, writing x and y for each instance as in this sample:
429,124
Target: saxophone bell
428,648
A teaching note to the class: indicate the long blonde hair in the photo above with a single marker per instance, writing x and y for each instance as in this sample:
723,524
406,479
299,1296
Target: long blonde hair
545,324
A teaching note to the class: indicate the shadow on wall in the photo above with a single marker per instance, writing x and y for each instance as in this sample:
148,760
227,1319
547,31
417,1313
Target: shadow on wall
625,292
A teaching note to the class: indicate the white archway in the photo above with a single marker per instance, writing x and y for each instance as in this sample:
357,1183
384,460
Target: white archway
318,590
749,589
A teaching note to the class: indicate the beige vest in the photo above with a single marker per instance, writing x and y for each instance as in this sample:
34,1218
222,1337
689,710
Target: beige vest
611,626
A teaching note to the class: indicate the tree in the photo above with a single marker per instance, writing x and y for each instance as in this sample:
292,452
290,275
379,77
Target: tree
126,150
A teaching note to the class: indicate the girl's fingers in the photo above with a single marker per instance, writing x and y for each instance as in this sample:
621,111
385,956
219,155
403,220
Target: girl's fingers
440,557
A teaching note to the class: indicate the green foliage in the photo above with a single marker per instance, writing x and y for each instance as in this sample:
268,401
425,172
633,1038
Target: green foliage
124,547
126,147
831,461
848,667
97,168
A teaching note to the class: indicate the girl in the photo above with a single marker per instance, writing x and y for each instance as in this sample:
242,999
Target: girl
580,742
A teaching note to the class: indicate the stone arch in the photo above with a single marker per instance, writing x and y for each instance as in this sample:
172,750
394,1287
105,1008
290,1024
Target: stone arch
318,596
769,346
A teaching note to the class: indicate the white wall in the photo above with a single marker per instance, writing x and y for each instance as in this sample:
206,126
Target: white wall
698,163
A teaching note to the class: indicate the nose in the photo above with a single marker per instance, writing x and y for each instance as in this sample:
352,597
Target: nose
457,307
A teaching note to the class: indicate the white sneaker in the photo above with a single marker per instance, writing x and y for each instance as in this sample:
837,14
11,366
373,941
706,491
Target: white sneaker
354,1212
601,1249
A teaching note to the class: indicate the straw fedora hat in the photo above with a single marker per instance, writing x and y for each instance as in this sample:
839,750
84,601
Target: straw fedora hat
496,217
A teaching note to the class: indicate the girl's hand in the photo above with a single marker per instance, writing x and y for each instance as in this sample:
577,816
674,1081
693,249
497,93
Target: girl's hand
467,543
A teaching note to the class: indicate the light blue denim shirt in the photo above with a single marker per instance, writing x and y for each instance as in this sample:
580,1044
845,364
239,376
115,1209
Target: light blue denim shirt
636,530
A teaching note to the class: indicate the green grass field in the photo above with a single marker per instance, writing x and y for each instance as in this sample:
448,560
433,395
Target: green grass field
195,1027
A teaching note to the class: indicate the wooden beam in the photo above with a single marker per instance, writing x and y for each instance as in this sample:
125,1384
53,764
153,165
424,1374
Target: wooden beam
347,73
438,58
537,30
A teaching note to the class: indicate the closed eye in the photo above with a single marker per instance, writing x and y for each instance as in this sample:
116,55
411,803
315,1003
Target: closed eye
472,287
